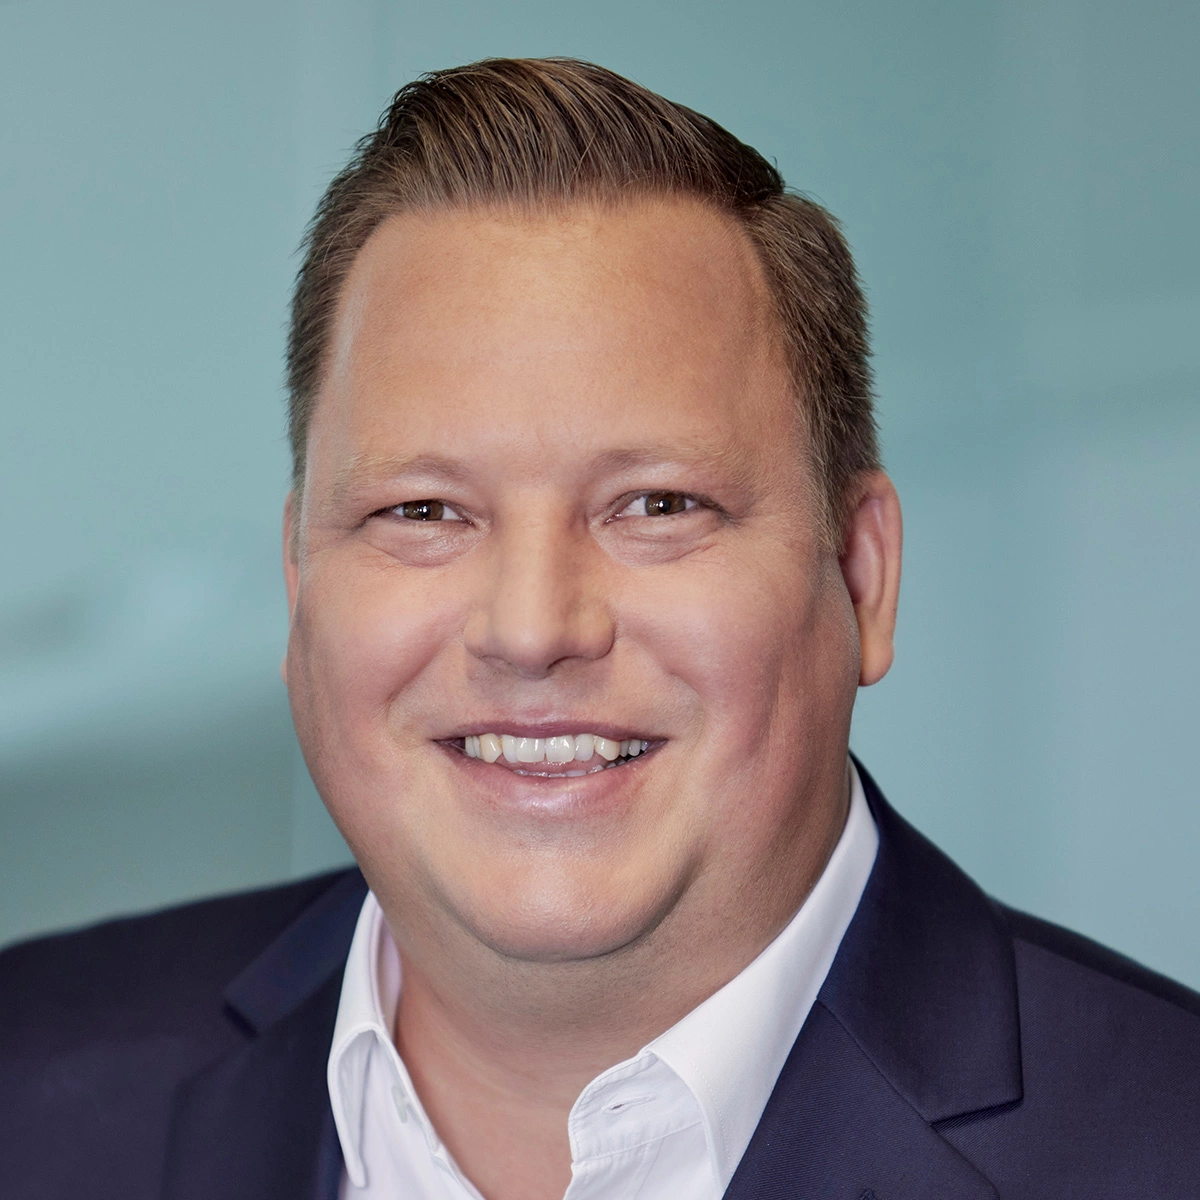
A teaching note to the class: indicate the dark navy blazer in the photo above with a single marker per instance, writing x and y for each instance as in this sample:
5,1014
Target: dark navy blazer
957,1051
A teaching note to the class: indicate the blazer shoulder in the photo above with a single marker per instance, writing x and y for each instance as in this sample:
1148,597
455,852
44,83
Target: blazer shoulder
1092,964
99,1027
144,967
1110,1055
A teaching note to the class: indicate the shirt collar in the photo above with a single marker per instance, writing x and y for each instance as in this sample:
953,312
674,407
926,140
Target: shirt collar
728,1051
366,1012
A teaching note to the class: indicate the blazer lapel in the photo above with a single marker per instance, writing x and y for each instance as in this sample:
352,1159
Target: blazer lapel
256,1124
915,1026
835,1129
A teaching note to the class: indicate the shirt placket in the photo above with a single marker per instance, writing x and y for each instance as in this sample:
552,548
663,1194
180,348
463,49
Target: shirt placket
618,1125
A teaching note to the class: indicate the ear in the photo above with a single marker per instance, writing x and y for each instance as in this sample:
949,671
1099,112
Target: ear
291,566
870,562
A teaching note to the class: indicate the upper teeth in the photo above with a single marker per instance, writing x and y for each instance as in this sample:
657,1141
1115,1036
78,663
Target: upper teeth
562,749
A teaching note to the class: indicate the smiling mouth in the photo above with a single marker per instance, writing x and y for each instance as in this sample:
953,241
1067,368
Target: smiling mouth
567,755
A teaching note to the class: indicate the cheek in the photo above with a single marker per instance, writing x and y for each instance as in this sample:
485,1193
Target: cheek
756,654
360,642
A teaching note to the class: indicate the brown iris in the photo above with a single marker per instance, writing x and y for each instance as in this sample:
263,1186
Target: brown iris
423,510
663,504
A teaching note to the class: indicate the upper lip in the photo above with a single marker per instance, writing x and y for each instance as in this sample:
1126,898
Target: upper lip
549,729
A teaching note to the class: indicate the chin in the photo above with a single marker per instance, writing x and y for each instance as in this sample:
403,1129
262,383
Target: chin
564,925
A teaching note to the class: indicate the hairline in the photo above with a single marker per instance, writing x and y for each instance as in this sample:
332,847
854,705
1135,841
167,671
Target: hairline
768,308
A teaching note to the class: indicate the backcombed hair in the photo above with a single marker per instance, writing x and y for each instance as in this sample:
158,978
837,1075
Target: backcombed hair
540,133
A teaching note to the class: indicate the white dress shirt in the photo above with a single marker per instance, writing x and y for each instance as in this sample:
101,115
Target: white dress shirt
672,1121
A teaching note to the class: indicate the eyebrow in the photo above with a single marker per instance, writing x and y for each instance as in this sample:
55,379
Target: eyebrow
364,470
741,467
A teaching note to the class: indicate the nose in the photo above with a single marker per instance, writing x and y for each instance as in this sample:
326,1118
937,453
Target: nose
541,601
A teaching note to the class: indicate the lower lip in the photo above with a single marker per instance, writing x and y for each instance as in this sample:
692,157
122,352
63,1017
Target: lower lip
552,796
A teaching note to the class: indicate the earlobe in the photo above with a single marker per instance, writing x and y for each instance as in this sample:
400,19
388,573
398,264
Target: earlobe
870,563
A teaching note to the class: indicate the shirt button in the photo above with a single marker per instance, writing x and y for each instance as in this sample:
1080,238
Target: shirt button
398,1099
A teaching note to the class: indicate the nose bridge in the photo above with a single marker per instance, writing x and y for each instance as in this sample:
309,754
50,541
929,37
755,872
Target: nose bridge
541,598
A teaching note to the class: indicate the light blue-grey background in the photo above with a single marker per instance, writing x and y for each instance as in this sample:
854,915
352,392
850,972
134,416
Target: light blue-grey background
1021,183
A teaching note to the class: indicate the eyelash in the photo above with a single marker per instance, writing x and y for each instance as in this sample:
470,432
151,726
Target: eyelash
440,507
691,503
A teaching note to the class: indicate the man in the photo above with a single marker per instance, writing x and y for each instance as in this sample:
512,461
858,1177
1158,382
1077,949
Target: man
588,552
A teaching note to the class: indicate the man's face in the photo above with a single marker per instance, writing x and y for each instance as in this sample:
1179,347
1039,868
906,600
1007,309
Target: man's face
555,487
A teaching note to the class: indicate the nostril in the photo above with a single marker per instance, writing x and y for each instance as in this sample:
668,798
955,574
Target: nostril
537,612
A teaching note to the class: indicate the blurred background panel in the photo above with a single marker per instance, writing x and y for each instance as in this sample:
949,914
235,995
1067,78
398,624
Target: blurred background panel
1021,184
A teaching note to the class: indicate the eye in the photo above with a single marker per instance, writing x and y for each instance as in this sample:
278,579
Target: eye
426,510
658,504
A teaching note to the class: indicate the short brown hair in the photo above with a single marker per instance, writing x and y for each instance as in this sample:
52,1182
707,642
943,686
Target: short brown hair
539,132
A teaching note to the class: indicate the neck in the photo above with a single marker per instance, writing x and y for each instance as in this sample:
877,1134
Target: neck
499,1049
527,1049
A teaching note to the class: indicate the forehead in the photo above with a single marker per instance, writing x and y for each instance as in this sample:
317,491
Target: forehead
651,316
